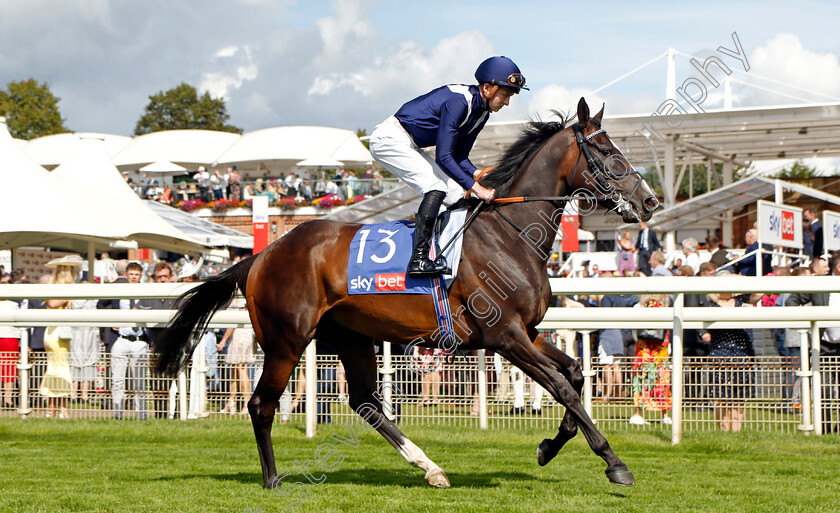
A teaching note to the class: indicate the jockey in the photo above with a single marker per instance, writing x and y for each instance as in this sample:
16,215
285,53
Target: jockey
448,118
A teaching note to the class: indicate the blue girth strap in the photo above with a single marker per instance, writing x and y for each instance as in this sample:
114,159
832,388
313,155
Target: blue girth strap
443,313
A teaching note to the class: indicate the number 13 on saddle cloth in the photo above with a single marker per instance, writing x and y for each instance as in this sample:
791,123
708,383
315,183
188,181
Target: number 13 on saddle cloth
379,255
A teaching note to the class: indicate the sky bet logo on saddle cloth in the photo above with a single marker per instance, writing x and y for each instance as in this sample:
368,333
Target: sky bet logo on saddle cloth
379,255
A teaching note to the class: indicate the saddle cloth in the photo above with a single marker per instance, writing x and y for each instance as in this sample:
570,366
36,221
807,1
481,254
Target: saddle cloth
379,255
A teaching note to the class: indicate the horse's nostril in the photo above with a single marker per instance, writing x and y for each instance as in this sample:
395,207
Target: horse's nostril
651,203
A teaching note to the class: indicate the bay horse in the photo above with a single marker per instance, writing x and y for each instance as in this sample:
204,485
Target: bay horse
296,291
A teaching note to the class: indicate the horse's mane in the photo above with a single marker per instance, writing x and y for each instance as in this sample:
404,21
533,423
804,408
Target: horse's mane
532,137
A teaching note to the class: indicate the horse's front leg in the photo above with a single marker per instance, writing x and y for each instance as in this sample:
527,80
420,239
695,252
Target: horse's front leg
520,351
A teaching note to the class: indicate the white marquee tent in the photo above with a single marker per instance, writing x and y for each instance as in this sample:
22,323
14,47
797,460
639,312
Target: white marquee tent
287,146
93,176
189,148
279,149
52,150
35,212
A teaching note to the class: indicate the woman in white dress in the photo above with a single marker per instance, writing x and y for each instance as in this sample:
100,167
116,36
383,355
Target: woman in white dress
84,353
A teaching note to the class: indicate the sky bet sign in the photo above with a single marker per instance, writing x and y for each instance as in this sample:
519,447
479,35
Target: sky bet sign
831,230
779,225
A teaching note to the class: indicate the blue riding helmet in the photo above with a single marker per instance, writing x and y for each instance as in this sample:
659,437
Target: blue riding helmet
500,71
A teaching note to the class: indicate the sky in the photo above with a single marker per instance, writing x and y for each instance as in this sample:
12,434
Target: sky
352,63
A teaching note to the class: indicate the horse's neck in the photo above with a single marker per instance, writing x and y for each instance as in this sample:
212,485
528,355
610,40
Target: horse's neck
541,176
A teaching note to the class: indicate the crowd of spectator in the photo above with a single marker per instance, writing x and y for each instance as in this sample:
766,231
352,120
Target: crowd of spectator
75,369
635,365
731,350
214,185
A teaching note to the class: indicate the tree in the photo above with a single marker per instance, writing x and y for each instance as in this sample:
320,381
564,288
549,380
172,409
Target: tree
797,172
31,110
362,132
182,108
701,172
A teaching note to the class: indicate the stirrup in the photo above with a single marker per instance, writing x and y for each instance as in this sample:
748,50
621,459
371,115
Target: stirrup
424,267
440,263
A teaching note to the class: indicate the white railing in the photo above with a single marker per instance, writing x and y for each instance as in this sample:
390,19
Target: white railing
807,320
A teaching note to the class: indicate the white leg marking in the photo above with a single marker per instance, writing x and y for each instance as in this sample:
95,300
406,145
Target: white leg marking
435,475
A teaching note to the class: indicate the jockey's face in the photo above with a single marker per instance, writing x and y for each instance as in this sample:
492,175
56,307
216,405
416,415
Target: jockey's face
499,99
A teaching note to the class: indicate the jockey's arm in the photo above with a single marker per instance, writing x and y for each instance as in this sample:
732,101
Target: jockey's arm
452,115
452,150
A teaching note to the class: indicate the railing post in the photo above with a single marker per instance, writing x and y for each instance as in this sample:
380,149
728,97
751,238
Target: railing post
200,363
24,367
182,395
588,373
311,392
677,370
482,389
805,382
387,372
816,379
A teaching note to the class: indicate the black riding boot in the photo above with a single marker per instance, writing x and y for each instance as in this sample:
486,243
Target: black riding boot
420,263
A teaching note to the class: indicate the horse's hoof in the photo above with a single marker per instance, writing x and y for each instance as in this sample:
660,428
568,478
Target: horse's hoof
621,476
438,479
545,452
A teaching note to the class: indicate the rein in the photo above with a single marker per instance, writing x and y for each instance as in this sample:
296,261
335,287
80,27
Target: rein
594,165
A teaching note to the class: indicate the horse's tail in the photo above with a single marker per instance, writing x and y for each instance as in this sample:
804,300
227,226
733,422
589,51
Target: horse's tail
195,308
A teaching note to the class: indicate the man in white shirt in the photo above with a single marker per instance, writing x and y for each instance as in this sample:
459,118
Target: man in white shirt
130,351
203,179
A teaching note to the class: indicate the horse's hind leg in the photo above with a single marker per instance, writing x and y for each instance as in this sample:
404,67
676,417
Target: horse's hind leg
360,367
570,369
262,405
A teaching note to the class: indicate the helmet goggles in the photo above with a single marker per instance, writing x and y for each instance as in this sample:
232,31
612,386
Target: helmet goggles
516,80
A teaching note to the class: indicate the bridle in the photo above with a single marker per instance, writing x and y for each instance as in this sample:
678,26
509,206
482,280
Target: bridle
595,166
601,172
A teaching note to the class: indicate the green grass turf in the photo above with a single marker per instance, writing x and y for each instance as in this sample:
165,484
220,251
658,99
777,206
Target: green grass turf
171,466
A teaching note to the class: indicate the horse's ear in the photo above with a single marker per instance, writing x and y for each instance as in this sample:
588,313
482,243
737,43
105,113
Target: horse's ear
597,117
583,112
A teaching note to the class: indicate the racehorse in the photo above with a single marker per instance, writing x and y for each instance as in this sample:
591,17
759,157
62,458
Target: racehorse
296,291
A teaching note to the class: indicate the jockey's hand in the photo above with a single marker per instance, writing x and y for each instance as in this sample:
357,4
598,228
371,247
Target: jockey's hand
483,193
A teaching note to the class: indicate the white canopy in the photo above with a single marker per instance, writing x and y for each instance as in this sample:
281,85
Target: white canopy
208,232
53,150
320,162
291,144
189,148
163,166
35,212
91,175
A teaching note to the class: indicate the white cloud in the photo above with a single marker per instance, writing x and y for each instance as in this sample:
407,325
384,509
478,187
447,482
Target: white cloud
411,68
784,58
559,98
348,30
228,51
220,83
